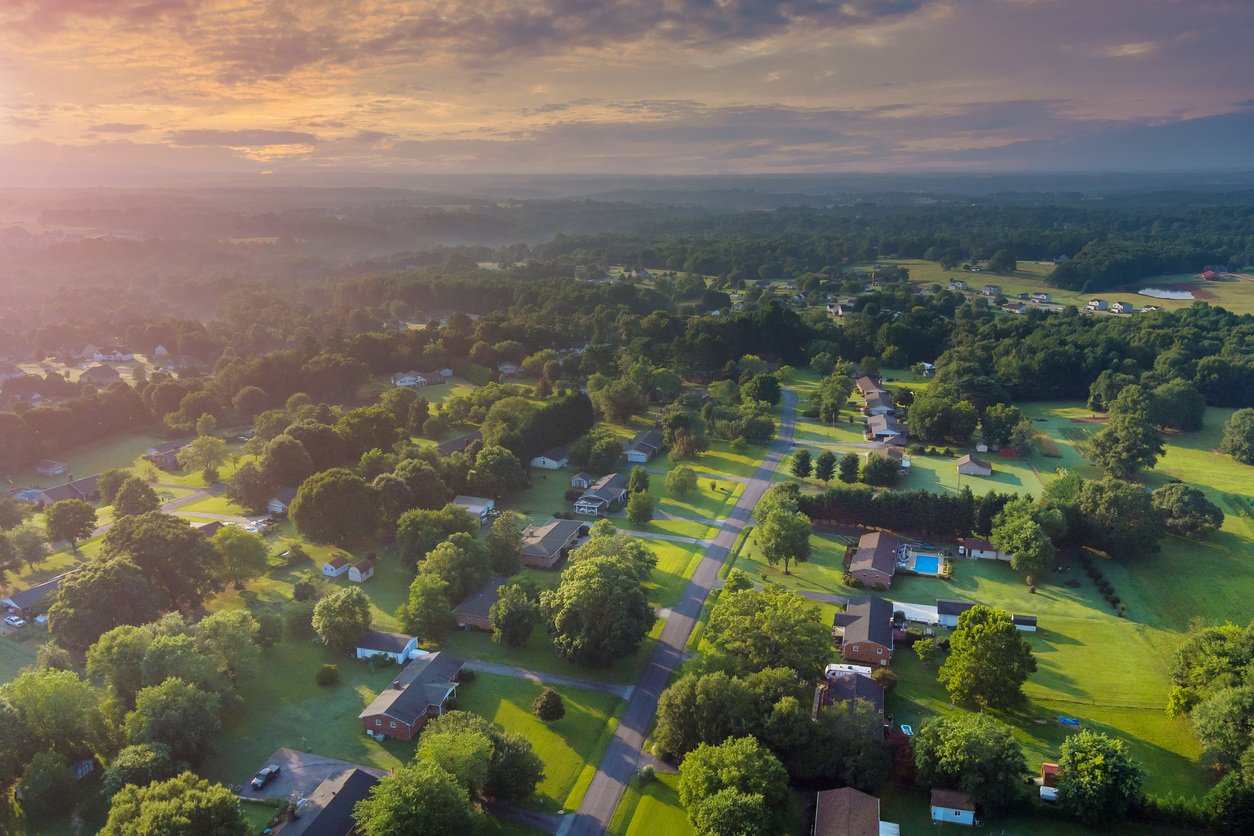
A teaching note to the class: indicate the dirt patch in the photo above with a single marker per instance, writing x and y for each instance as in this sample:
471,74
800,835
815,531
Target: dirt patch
1092,419
1198,292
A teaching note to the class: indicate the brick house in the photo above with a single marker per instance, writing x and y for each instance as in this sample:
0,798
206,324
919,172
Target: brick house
875,560
423,690
865,629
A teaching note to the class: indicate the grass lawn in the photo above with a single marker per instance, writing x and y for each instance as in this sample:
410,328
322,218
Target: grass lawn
89,459
570,747
652,808
939,474
822,573
17,650
212,505
675,564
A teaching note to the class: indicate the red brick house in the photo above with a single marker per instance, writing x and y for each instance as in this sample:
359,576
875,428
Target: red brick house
473,612
422,690
875,560
865,630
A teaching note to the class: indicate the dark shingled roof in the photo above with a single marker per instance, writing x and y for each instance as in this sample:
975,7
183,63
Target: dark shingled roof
846,812
946,607
874,622
480,601
1025,620
384,642
877,550
847,687
330,808
952,799
28,598
425,682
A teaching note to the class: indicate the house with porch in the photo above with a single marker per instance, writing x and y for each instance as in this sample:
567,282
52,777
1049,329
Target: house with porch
424,689
602,496
544,546
885,428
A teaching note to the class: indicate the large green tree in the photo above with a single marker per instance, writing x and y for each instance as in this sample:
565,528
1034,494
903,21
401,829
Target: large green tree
342,617
505,544
513,616
56,710
335,506
1030,549
462,561
178,715
427,612
420,797
497,472
243,554
743,765
175,558
988,661
70,520
134,497
1238,438
139,764
599,612
974,753
1120,517
99,596
770,629
250,487
785,538
421,530
182,806
1098,781
1186,510
514,770
1125,446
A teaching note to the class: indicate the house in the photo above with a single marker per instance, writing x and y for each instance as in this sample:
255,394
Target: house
421,691
544,546
952,807
1097,305
849,812
29,601
643,447
958,285
361,571
603,495
434,376
160,351
1049,775
509,369
866,631
948,611
867,385
991,290
875,560
478,507
473,612
847,686
211,528
410,380
395,646
335,566
99,375
980,549
879,403
581,480
1024,623
1015,308
893,454
328,810
1151,308
554,459
281,501
969,465
113,354
1041,297
50,467
885,428
1062,259
1123,308
165,455
84,489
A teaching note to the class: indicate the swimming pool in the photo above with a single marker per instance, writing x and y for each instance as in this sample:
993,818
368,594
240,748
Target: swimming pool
926,564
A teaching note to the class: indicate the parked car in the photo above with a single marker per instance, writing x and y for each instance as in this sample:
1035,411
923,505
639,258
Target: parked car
265,776
14,621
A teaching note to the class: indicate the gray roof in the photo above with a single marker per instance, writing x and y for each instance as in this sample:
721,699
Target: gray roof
607,489
60,492
425,682
285,495
384,642
882,424
877,550
874,624
847,687
1025,620
479,602
28,598
946,607
556,454
646,441
880,398
330,808
547,539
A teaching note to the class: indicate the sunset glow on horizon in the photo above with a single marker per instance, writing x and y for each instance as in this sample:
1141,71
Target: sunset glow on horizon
103,90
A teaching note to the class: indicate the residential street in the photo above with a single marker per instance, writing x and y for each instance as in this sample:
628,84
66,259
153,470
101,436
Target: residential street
624,756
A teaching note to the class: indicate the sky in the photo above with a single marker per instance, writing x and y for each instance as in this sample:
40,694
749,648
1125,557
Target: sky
110,90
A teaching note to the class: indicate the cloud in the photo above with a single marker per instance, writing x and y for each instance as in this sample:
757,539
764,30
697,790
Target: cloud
241,139
1131,50
117,128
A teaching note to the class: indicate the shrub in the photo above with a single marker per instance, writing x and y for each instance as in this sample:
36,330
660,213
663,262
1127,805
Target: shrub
327,675
296,555
646,774
549,706
466,675
886,678
851,581
572,494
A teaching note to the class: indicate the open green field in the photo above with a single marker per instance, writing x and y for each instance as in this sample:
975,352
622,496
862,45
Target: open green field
651,809
1235,296
570,747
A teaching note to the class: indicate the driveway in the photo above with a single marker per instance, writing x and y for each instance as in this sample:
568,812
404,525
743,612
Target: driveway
300,775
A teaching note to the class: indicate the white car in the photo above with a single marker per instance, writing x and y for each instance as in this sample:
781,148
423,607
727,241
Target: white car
14,621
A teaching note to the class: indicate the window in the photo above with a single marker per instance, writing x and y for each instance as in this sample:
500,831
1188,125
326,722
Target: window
957,813
879,651
378,722
392,723
855,648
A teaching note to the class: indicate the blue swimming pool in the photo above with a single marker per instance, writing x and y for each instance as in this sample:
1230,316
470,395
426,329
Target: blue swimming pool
927,564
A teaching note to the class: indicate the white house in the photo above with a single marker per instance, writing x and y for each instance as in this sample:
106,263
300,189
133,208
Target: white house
1123,307
952,807
643,447
1024,623
477,506
335,566
554,459
409,380
361,571
980,549
396,646
1098,305
582,480
281,500
1041,297
958,284
117,355
509,369
969,465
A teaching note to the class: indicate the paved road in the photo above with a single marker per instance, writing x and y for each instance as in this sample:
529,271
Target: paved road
624,756
622,691
174,504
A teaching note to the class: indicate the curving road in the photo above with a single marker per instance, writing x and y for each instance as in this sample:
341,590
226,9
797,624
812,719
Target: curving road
624,755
